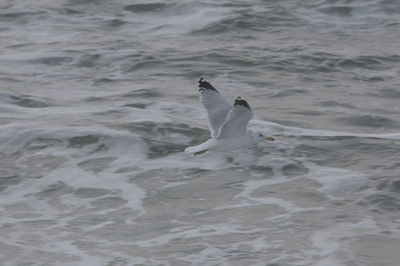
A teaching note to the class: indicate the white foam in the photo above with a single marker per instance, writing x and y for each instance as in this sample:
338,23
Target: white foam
183,18
276,128
190,232
258,244
125,149
337,181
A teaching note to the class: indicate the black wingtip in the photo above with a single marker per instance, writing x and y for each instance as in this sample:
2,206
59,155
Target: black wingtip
205,85
240,101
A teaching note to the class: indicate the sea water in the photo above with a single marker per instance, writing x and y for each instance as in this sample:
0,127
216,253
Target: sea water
98,100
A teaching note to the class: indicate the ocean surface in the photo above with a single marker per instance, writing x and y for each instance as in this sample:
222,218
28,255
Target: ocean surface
98,100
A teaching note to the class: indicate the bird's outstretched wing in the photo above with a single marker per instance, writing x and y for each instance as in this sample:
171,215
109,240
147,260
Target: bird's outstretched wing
216,105
236,121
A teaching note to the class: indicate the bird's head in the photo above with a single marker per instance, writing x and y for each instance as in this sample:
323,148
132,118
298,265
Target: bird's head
259,136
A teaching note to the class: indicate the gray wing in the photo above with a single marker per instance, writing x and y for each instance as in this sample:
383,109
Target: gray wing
216,105
237,120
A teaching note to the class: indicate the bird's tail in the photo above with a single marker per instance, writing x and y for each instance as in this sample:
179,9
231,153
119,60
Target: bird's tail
191,149
196,150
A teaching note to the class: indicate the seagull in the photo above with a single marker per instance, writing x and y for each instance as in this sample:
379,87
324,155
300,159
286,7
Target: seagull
227,123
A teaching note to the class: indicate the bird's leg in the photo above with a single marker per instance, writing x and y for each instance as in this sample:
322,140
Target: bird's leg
200,152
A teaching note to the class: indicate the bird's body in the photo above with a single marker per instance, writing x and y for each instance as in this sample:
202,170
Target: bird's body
227,123
228,144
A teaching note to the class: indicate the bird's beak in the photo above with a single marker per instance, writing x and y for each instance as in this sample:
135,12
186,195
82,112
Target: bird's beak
270,138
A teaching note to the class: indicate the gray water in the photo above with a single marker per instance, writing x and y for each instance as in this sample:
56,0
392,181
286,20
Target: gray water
98,100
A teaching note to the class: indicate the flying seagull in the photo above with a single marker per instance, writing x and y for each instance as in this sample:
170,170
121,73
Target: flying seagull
227,122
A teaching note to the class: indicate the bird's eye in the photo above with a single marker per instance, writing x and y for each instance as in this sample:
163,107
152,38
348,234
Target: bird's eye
260,135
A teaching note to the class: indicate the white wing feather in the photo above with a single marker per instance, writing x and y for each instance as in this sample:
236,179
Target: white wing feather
216,105
236,121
